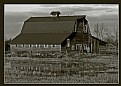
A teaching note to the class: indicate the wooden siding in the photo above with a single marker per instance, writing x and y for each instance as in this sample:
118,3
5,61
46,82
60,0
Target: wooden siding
81,37
102,49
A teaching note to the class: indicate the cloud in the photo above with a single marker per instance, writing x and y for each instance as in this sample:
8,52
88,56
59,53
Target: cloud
19,7
66,9
47,7
16,14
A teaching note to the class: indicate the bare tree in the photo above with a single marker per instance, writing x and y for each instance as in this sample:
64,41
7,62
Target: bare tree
96,30
107,32
111,36
102,31
99,30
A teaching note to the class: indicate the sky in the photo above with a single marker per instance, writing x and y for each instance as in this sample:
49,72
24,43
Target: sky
16,14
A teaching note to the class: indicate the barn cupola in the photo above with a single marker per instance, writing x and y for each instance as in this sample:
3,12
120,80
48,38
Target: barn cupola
55,13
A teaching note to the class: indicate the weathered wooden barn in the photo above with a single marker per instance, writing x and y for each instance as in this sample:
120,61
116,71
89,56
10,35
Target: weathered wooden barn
56,33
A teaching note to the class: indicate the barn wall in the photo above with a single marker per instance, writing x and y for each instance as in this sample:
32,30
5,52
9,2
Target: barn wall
83,38
79,37
15,48
96,45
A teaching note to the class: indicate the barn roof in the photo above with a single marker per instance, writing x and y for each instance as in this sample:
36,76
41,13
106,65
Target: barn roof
52,19
37,38
48,27
61,24
99,39
48,30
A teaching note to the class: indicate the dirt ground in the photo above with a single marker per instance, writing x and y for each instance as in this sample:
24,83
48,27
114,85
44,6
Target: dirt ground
90,69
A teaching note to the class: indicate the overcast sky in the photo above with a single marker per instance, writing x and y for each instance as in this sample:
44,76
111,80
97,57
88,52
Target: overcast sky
16,14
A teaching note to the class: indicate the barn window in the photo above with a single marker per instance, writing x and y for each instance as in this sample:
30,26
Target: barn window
39,45
25,45
85,28
19,45
81,47
78,46
58,46
85,46
68,42
31,45
72,47
91,48
42,46
22,45
49,46
75,27
14,45
53,46
34,45
46,46
88,49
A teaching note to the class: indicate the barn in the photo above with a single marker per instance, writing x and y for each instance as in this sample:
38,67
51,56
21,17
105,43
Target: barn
56,33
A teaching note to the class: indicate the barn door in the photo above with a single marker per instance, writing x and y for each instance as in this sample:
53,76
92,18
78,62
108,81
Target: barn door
79,47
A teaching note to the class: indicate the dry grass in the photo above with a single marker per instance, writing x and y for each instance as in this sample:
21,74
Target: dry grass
81,69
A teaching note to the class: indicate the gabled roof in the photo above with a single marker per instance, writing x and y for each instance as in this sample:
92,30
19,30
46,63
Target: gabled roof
61,24
48,27
46,30
37,38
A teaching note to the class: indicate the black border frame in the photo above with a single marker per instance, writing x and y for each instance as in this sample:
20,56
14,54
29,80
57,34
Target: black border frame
2,2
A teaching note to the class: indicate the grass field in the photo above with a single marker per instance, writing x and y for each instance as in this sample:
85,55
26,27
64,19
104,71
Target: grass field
78,70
